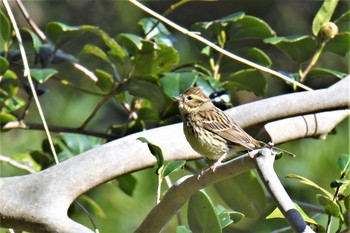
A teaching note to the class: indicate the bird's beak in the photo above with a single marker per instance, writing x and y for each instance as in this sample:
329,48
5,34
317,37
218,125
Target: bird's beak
177,98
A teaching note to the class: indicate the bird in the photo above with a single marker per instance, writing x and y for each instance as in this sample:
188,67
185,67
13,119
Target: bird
209,130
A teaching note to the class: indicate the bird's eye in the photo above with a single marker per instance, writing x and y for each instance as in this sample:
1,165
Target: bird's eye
189,97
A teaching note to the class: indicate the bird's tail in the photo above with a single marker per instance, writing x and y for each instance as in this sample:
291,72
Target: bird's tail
277,149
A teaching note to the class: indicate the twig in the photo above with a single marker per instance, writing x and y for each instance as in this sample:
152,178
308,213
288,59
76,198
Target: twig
16,164
217,48
264,166
59,129
30,80
30,21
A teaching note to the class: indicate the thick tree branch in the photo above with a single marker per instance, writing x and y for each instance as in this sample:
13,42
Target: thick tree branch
180,192
264,165
30,202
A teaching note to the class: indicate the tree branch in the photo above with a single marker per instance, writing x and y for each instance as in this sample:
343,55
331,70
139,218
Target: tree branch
264,166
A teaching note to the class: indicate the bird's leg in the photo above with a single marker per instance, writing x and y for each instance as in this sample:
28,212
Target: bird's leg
218,162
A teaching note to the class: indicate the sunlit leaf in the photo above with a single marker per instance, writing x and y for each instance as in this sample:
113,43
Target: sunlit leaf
6,117
105,80
242,199
115,51
42,75
276,213
78,144
9,84
323,15
201,215
27,160
95,50
306,181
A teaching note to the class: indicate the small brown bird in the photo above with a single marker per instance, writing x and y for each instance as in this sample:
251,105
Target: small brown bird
211,132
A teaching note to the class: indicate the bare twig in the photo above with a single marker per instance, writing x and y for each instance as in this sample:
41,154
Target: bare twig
58,129
30,80
16,164
217,48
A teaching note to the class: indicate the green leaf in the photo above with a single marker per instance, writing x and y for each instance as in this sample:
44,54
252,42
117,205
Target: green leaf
344,163
298,48
339,44
278,214
172,166
105,80
250,27
329,205
154,59
127,183
96,51
182,229
4,64
142,88
5,32
343,22
27,159
242,199
227,217
249,80
115,51
306,181
201,215
173,84
36,40
94,206
14,103
9,83
42,75
216,26
131,42
159,32
60,33
228,66
323,15
322,72
6,117
78,144
155,150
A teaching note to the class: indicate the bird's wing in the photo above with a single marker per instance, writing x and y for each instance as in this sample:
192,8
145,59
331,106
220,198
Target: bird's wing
219,123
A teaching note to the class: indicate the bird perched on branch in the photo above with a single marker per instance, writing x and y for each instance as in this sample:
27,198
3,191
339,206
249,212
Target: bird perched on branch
211,132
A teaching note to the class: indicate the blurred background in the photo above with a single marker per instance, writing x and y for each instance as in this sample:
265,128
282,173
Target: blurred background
316,159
